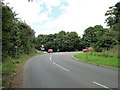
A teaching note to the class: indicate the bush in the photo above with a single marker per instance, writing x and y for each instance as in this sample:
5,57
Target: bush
111,52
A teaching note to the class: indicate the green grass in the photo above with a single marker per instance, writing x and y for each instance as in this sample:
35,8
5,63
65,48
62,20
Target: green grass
4,81
111,52
99,60
11,65
0,83
0,67
0,73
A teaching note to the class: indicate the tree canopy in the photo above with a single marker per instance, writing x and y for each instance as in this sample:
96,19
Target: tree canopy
113,19
113,15
65,41
15,33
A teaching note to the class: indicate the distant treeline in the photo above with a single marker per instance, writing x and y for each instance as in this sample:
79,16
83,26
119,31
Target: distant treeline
65,41
96,37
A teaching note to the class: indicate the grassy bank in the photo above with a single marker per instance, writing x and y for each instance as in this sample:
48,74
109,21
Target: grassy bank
99,60
10,66
0,74
111,52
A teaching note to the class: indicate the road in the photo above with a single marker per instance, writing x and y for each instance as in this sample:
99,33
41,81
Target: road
59,70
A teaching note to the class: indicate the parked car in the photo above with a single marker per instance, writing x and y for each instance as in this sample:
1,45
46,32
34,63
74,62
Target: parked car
85,50
89,49
50,50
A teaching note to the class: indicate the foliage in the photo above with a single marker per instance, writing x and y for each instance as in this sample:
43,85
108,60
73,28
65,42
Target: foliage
92,35
113,15
99,37
112,52
15,33
113,19
65,41
105,42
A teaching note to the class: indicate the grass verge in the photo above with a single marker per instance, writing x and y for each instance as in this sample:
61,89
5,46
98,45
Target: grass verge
99,60
0,74
11,66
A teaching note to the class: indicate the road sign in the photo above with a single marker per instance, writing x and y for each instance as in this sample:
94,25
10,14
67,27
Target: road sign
58,49
42,48
86,52
42,45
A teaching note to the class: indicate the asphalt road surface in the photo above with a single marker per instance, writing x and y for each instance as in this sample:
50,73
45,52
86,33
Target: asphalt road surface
59,70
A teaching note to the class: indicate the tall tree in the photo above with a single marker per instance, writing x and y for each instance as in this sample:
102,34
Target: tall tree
73,41
113,15
64,41
15,33
8,30
92,34
113,19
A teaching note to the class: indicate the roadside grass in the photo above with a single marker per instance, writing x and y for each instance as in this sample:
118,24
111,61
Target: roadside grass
99,60
112,52
0,75
11,66
0,67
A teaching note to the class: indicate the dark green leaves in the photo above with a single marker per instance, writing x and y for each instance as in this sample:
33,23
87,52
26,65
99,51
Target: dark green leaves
64,41
113,15
15,33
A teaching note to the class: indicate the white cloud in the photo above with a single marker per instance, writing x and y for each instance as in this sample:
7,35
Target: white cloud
80,14
27,11
50,3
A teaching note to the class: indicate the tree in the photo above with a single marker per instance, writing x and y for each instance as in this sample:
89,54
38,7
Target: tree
73,41
26,37
99,37
113,19
60,40
92,34
106,42
8,30
113,15
64,41
15,33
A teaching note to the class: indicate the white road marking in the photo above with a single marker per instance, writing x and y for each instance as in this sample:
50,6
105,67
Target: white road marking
100,85
58,53
50,58
60,66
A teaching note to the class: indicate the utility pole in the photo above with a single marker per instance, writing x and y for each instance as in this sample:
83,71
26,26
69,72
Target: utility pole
86,52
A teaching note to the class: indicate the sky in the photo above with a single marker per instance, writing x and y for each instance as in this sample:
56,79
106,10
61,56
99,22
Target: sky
52,16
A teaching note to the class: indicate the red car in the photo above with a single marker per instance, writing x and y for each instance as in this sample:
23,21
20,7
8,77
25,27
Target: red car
85,50
50,50
89,49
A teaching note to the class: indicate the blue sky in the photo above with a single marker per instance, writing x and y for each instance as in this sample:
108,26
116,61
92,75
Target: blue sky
56,11
52,16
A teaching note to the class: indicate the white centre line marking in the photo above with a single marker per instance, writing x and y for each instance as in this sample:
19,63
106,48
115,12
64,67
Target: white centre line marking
101,85
50,58
60,66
